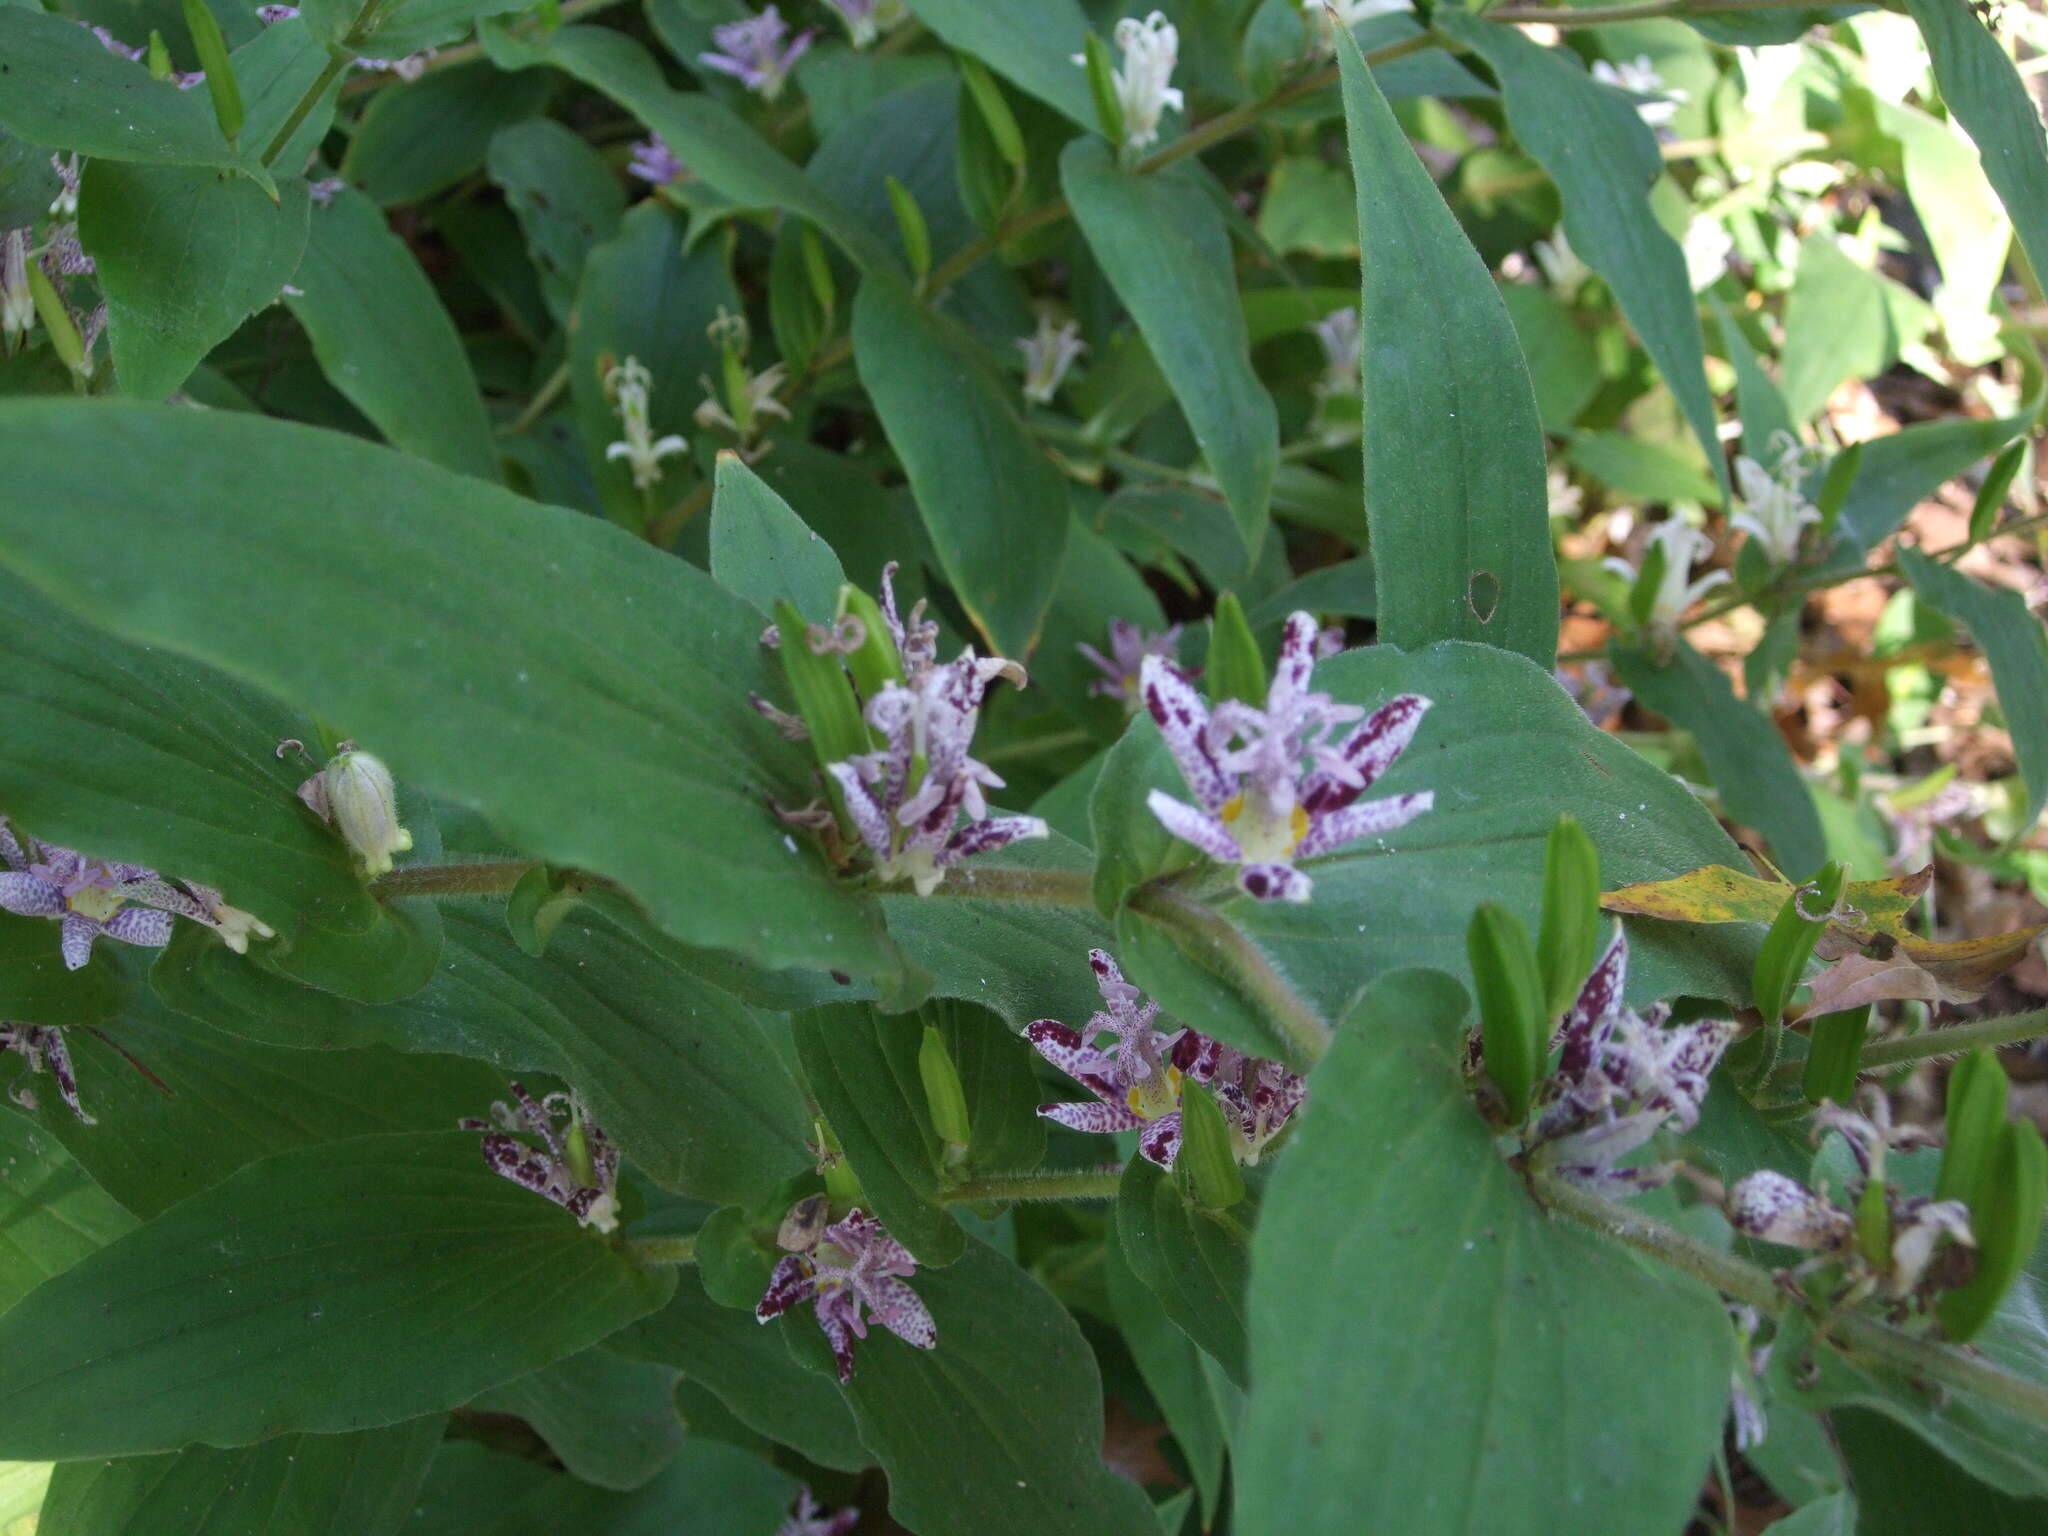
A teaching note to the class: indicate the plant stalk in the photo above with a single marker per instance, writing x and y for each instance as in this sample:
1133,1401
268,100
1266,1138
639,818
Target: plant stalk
1228,950
482,879
1076,1185
664,1250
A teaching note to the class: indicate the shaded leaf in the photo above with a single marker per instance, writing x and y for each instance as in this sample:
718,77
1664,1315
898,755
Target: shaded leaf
1033,49
761,549
420,137
610,1419
51,1213
1194,1263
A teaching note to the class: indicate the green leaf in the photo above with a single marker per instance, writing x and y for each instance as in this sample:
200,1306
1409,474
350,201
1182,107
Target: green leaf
51,1213
185,255
761,549
35,984
1394,1232
1986,95
421,137
365,1282
1594,144
221,83
1162,244
994,504
312,1485
396,27
612,1421
1194,1264
1459,519
750,1370
277,67
1001,1083
382,583
1902,469
1839,324
1015,1385
565,198
385,341
1758,400
2014,642
62,90
1564,366
28,185
1750,762
1032,48
1171,1365
862,1069
1905,1488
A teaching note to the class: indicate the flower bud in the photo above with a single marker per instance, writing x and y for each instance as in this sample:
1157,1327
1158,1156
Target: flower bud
910,223
1976,1115
1834,1053
2006,1222
874,663
1789,944
1102,85
804,1224
1874,1220
362,802
1570,936
1513,1021
944,1095
1235,669
818,684
1205,1167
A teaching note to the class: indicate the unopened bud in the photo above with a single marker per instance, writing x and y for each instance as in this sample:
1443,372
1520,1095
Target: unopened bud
1513,1021
944,1095
804,1225
1874,1220
1834,1054
817,682
1789,944
1205,1168
1235,669
354,792
17,302
1977,1088
2006,1222
875,662
1570,936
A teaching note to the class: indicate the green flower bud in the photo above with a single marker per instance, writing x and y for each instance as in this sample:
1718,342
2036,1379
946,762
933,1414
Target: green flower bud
1570,939
1513,1022
1235,669
1874,1221
874,662
944,1095
1109,107
1789,944
1975,1119
1205,1168
1834,1052
917,235
817,682
356,794
2006,1221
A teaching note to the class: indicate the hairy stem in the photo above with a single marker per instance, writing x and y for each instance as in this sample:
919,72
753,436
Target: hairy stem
1742,1281
1075,1185
336,63
1954,1040
1607,15
994,882
491,879
664,1250
1229,952
572,10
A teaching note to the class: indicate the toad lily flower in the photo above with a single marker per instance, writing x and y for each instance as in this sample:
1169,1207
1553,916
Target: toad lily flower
576,1167
1773,512
867,19
1676,593
809,1518
1259,807
40,1046
753,53
1656,103
89,897
855,1266
655,163
628,384
1338,333
1048,353
1622,1077
1128,648
355,795
1151,49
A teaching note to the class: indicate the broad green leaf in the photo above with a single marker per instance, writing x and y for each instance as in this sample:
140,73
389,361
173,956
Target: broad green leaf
995,505
311,1485
1194,1263
1564,365
422,137
1902,469
1905,1488
1985,94
61,89
750,1370
1033,47
276,68
185,255
1153,520
611,1420
397,27
1170,1363
565,198
34,983
1395,1233
327,1289
1636,466
385,341
1459,520
51,1213
1163,245
1594,144
1839,324
374,594
28,185
1750,761
761,549
1097,585
2014,642
1505,752
1000,1080
1015,1386
862,1069
1131,846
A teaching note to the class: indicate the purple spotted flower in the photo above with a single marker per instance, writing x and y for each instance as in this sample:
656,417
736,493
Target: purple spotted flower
1137,1080
810,1519
576,1165
1620,1079
907,798
1128,648
89,897
855,1266
41,1047
1259,806
753,53
654,162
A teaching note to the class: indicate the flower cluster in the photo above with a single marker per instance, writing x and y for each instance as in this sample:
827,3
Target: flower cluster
1260,806
855,1274
1137,1079
1773,510
59,257
576,1165
1621,1077
753,52
1122,667
39,1046
1656,103
629,384
91,898
906,797
1048,353
1151,49
867,19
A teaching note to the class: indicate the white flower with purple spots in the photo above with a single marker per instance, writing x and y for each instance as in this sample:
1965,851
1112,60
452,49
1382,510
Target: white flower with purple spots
655,163
42,1048
1620,1079
576,1165
1122,667
1269,785
810,1519
88,897
857,1274
752,52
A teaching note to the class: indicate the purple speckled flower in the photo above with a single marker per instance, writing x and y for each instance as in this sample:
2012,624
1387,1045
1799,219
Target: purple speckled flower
1259,806
1621,1078
575,1166
753,53
855,1266
810,1519
1128,648
655,163
88,897
42,1047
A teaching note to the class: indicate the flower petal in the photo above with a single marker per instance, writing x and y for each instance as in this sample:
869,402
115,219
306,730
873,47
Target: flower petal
1366,753
1364,818
869,819
1161,1142
1599,996
141,925
1065,1049
1192,826
76,944
1768,1205
1274,882
792,1281
902,1311
839,1334
994,832
1183,720
1098,1119
30,895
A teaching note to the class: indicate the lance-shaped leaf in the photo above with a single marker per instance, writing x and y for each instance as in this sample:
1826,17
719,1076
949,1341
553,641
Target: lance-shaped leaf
611,1420
421,137
332,1288
763,551
1162,243
51,1213
1175,1373
1034,47
1195,1263
1394,1232
316,1485
1455,500
373,592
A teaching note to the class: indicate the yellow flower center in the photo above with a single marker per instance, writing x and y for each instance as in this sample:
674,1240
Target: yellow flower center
1263,837
1155,1095
98,902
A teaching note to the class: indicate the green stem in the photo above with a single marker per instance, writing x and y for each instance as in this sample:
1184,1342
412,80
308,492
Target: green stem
1216,945
1742,1281
1952,1041
664,1250
545,396
336,63
995,882
1037,1186
492,879
573,10
1607,15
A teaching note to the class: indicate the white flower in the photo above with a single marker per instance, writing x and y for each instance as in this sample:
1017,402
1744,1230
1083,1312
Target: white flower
1773,511
355,794
1566,499
17,302
1338,332
1638,77
1151,48
1765,73
628,384
1048,353
1682,546
759,401
1706,245
1561,266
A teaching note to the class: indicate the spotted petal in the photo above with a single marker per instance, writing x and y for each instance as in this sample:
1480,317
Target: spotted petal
900,1310
1275,882
30,895
1098,1119
1161,1142
869,819
1365,754
1064,1048
1768,1205
1297,656
1183,720
1365,818
1598,997
991,833
141,925
791,1282
839,1334
1192,826
78,933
